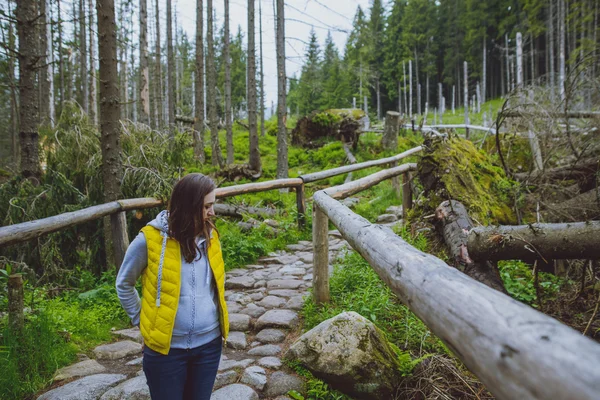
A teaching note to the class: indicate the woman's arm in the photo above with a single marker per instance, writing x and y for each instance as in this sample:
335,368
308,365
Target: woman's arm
136,259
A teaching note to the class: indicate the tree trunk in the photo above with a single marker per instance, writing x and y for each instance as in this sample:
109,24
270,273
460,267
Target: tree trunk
199,86
28,94
551,42
484,69
561,48
112,170
170,71
144,91
405,91
579,240
262,73
455,225
93,111
228,120
61,69
14,106
410,96
83,70
122,46
217,157
158,71
45,74
466,96
389,140
282,137
254,152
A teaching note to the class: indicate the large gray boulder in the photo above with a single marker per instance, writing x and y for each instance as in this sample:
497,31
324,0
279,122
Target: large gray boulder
88,388
352,355
83,368
132,389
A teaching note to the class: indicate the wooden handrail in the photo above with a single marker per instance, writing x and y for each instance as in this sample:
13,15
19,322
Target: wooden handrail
307,178
25,231
516,351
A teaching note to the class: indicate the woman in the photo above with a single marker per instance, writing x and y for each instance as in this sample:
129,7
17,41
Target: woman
182,314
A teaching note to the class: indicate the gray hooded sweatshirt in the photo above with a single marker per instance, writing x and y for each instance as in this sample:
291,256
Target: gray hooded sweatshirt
197,318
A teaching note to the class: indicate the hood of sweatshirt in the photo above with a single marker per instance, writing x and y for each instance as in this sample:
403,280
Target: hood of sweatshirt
161,222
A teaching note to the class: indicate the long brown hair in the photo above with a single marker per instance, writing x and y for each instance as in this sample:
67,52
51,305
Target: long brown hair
186,213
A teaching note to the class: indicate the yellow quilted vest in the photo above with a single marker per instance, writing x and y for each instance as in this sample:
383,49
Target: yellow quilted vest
161,288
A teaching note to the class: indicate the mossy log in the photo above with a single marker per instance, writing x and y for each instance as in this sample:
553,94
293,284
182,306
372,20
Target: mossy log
235,172
228,210
455,224
313,130
456,169
579,240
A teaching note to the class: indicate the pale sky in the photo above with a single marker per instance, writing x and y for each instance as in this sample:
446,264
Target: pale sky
300,15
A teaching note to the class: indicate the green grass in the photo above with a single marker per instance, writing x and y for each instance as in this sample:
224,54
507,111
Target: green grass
474,118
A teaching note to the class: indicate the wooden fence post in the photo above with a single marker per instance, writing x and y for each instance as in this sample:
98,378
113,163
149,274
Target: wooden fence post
16,320
118,223
301,205
321,256
406,195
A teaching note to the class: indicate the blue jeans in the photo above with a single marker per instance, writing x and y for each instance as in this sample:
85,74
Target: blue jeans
183,373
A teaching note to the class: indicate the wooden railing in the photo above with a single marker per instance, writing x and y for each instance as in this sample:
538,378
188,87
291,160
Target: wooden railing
22,232
516,351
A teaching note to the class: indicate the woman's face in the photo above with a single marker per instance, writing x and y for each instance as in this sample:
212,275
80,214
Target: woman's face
208,211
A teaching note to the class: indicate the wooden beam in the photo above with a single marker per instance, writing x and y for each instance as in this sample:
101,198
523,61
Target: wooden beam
321,256
25,231
578,240
516,351
16,318
406,195
246,188
348,189
301,206
316,176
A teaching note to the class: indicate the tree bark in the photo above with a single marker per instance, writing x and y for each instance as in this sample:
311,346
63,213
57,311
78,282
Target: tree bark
83,70
46,75
158,71
28,94
93,110
262,73
579,240
466,96
254,151
170,71
16,318
199,86
282,136
228,120
321,256
561,48
112,170
61,69
217,157
144,91
455,224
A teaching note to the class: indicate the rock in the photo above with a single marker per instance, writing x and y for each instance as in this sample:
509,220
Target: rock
272,302
284,284
132,389
297,247
270,362
352,355
133,334
88,388
233,307
241,298
350,201
306,257
270,336
235,392
308,277
260,284
335,233
83,368
386,218
136,361
277,319
280,383
255,376
239,322
239,282
255,266
272,223
237,340
114,351
396,210
289,270
284,292
266,350
237,272
257,296
253,310
282,259
229,364
225,378
295,303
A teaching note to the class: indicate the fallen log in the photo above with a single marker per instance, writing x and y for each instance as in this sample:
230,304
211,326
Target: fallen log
516,351
583,172
456,224
229,210
584,207
579,240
